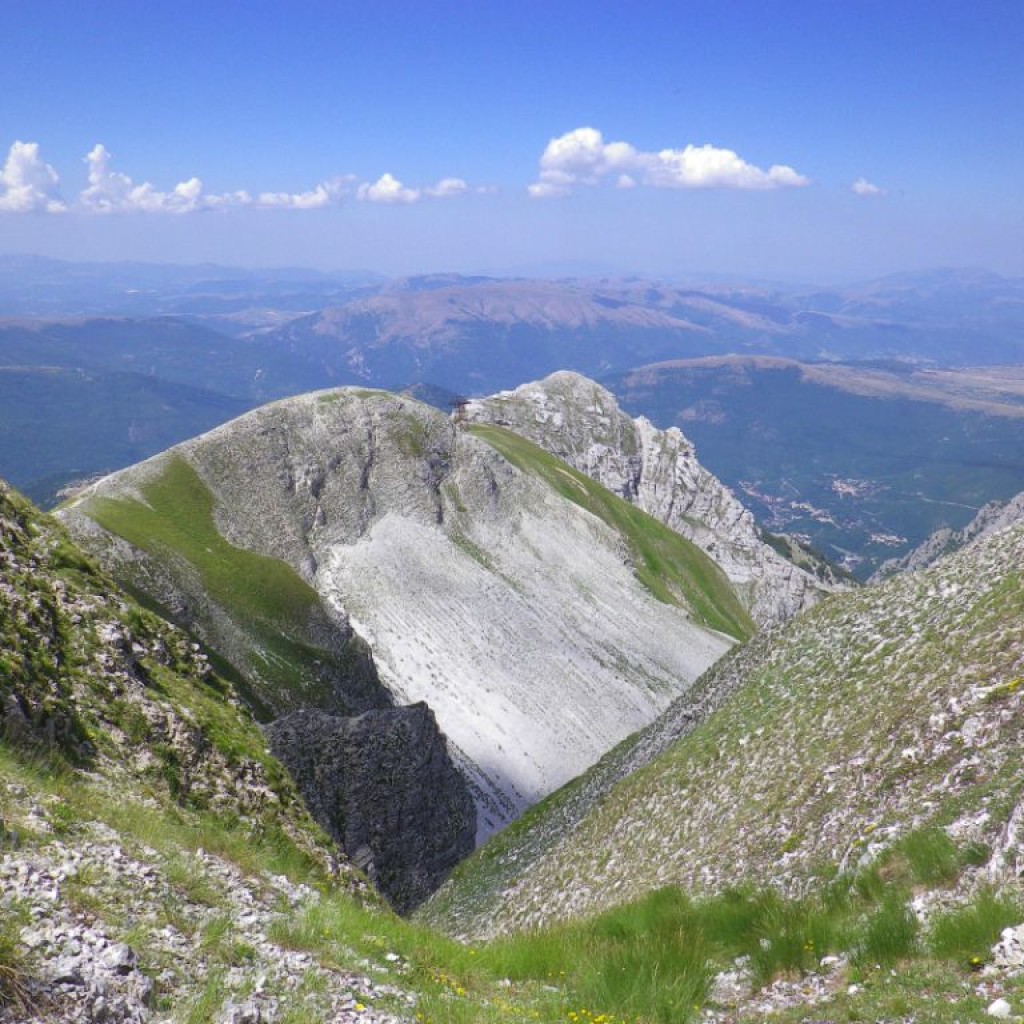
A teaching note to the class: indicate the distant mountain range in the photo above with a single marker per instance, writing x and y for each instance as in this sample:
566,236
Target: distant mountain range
480,334
34,286
871,436
943,317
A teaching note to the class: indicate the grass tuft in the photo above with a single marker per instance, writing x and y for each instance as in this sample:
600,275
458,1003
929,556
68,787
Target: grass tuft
925,856
792,936
968,933
15,994
205,1006
889,935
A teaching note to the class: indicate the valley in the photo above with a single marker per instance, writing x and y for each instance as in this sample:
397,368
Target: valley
879,712
860,461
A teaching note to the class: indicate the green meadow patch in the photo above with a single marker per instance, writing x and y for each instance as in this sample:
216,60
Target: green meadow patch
673,569
262,594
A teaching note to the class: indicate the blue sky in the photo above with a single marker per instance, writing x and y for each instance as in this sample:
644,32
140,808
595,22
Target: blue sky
817,141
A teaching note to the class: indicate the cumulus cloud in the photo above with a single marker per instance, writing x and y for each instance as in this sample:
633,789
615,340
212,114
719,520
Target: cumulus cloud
447,187
863,187
547,190
311,200
27,183
387,189
582,157
327,193
110,191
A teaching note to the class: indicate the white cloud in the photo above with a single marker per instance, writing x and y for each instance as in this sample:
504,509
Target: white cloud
863,187
547,190
311,200
709,167
582,157
447,187
111,191
387,189
327,193
27,184
219,201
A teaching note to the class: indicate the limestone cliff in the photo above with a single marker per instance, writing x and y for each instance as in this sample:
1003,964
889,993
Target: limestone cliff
580,422
382,785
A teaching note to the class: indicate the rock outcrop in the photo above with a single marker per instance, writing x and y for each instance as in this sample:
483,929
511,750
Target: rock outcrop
994,516
580,422
384,788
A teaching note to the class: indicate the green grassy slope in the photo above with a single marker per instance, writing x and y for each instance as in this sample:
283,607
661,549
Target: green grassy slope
178,515
179,792
673,569
280,613
878,712
97,682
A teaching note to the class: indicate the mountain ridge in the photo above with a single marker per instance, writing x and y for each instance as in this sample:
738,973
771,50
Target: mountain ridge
581,423
372,500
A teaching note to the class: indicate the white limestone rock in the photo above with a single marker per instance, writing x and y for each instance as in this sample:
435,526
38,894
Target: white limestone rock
580,422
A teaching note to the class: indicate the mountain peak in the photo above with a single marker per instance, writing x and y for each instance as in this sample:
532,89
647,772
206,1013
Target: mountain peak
579,421
384,547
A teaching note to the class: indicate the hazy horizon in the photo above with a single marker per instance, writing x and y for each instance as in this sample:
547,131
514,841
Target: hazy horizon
541,271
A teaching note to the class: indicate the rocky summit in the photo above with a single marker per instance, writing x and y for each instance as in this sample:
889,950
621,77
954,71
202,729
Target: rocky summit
580,422
353,550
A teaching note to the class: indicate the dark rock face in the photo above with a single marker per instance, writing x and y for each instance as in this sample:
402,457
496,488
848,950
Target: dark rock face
384,787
